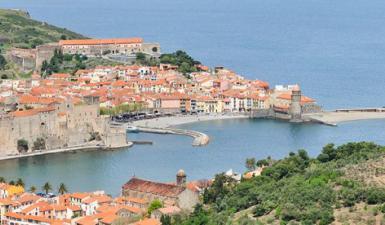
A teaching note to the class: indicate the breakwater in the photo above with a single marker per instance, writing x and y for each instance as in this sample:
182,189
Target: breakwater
199,138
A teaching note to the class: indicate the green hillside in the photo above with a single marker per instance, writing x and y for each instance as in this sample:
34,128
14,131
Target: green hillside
343,185
17,29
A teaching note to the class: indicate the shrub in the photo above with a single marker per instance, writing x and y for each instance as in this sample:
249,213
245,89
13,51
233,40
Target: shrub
22,145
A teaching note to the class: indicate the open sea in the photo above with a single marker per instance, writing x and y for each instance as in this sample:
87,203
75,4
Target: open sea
334,49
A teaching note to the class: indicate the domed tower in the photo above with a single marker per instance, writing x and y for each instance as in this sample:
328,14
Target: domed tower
295,107
181,178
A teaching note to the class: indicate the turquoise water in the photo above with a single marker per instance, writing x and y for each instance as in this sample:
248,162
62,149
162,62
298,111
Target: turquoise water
334,49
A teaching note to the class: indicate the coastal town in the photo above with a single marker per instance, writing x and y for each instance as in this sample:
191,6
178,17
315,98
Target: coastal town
141,202
54,111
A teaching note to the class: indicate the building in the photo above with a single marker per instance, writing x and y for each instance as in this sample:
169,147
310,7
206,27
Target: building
117,46
170,194
58,125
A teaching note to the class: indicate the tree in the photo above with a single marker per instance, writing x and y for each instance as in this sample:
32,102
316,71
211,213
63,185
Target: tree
32,189
20,182
262,162
250,164
3,62
47,187
62,189
2,180
165,220
156,204
140,56
11,182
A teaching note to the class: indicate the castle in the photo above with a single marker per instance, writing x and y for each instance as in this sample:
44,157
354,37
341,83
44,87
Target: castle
32,59
57,126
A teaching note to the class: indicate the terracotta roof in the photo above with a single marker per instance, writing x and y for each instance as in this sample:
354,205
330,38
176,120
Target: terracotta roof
287,96
60,76
146,186
101,41
32,112
148,222
170,210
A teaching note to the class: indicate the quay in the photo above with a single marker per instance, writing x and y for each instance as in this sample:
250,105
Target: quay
69,150
345,115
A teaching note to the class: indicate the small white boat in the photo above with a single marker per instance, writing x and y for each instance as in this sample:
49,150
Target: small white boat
132,129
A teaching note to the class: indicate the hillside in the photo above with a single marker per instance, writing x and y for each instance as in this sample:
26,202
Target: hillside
17,29
343,185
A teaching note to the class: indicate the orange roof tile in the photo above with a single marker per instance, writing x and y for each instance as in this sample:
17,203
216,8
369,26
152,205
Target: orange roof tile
101,41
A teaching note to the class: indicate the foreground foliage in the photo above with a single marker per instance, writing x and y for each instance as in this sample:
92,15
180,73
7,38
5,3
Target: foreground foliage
295,190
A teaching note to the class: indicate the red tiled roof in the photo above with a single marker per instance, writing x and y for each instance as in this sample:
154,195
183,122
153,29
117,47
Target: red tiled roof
102,41
146,186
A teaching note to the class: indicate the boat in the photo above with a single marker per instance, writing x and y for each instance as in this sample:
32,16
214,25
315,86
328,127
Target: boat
132,129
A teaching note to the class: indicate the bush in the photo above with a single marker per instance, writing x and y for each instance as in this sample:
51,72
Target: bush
39,144
22,145
154,205
375,196
3,62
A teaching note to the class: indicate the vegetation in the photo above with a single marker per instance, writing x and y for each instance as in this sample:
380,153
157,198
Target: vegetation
3,62
62,189
20,182
67,63
39,144
117,110
32,189
154,205
22,145
143,59
17,29
296,190
250,164
186,64
47,187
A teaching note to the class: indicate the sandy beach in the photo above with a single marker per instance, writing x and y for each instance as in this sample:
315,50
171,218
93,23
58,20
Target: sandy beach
163,122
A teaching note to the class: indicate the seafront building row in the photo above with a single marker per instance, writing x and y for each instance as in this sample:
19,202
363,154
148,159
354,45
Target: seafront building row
18,207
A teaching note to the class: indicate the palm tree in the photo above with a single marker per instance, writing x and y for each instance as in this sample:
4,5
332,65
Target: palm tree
32,189
2,180
62,189
20,182
47,187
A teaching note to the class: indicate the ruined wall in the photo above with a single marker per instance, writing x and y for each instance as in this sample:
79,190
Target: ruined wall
152,49
44,52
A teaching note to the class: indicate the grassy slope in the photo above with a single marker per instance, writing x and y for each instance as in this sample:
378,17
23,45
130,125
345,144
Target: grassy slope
22,31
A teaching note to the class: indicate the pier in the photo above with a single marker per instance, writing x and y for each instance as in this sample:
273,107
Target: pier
200,139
